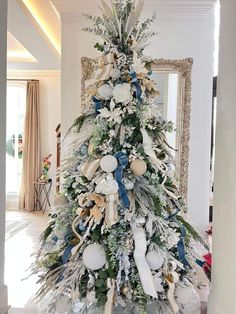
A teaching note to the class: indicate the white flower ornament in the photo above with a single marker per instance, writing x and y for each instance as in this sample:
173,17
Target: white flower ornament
114,114
122,93
138,66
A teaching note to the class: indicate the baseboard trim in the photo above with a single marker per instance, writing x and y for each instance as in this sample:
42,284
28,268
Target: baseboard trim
3,300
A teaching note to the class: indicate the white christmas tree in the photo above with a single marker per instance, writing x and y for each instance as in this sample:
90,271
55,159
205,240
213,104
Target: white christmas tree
116,241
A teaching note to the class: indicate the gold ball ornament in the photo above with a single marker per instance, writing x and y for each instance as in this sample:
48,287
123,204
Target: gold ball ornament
138,167
125,290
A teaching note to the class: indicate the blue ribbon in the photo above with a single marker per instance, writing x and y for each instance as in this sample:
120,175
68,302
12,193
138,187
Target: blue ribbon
68,237
138,90
122,163
97,103
66,253
199,262
180,244
133,76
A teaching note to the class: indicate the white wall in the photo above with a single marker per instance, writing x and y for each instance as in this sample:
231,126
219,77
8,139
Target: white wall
73,48
3,44
50,111
177,39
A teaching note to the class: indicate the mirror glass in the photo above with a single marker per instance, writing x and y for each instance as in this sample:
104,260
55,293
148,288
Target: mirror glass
167,101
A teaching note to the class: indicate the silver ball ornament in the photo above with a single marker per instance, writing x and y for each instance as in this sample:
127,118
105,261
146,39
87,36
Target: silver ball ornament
154,259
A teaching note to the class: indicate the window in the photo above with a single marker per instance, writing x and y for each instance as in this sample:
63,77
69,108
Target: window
16,105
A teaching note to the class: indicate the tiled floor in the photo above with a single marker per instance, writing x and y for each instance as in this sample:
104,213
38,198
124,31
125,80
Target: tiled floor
19,249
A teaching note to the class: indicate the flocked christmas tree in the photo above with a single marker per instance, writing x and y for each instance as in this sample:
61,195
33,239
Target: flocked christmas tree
116,241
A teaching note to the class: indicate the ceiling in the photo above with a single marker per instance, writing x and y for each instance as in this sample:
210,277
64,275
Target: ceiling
193,9
34,26
34,33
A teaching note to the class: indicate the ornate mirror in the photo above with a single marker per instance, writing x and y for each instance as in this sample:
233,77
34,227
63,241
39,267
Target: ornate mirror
173,80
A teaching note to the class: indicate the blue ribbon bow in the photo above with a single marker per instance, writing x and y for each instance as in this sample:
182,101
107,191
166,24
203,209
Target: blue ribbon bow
122,163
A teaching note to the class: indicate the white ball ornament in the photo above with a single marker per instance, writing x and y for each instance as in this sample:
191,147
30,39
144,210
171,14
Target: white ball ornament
94,256
115,74
138,167
154,259
105,91
63,305
108,163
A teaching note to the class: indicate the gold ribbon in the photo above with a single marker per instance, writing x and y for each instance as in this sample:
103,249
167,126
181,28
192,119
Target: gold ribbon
171,279
96,213
89,168
104,72
111,217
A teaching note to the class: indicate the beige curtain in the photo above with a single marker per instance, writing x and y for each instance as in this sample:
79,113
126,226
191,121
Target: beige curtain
31,147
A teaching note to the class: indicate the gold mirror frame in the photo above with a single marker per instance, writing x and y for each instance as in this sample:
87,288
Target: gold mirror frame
183,68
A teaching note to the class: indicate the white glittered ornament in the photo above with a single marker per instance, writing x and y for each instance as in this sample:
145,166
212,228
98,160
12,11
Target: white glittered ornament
105,91
108,163
154,259
107,185
115,74
63,305
129,185
138,167
94,256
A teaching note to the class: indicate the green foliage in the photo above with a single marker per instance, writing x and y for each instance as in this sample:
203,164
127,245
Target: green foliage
46,233
99,47
101,287
157,206
83,284
139,295
96,234
191,231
